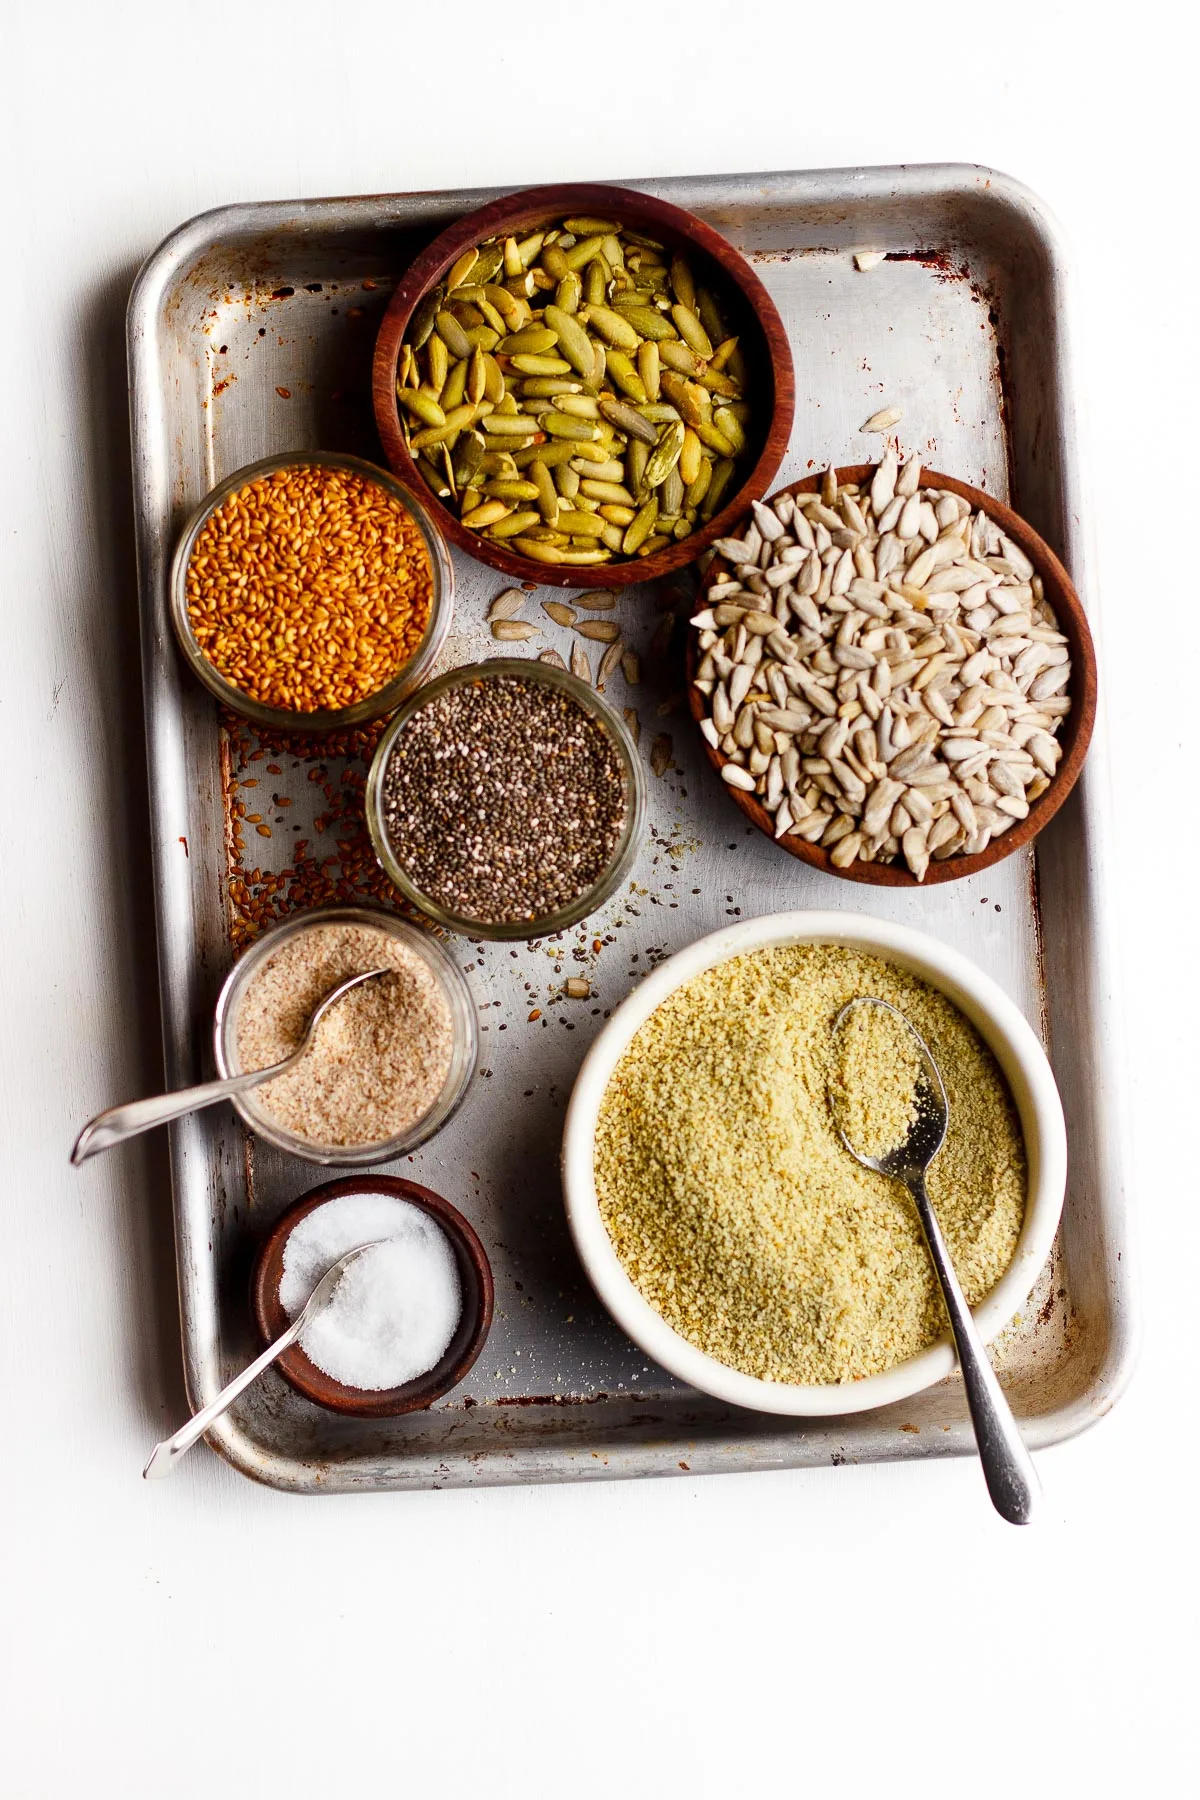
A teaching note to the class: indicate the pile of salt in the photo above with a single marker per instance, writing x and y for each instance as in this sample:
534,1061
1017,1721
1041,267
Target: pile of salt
396,1308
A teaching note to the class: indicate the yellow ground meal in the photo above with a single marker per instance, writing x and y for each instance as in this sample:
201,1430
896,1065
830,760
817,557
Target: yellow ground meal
873,1080
735,1207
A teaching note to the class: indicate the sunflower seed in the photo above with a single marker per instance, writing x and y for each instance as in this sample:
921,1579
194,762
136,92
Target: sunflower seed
513,630
883,421
601,631
506,605
560,613
738,777
596,600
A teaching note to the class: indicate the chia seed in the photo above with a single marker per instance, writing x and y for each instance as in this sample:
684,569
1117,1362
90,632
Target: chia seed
504,800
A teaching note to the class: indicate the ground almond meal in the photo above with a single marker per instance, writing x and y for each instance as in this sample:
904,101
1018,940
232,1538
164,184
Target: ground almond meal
380,1057
736,1209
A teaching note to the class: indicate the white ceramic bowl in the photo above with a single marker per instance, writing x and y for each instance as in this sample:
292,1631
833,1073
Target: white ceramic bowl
1002,1027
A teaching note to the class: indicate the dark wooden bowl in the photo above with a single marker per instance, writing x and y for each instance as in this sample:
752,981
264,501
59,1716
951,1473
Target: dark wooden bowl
765,345
386,1403
1075,736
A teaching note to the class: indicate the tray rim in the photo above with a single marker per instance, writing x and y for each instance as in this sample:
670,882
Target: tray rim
858,1441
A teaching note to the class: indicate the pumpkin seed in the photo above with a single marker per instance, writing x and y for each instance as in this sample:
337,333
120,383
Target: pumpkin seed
647,321
514,524
612,327
422,406
665,455
569,293
682,284
648,367
626,419
562,425
642,526
452,334
425,315
625,375
553,553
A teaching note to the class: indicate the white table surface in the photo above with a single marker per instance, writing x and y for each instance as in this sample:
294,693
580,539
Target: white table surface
742,1635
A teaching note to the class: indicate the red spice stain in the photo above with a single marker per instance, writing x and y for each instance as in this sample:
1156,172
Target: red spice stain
186,851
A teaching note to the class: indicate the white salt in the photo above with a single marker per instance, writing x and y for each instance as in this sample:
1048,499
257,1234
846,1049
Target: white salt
396,1308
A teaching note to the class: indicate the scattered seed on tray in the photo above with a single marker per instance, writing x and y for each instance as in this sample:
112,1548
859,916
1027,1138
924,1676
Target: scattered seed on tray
309,589
882,670
504,800
334,863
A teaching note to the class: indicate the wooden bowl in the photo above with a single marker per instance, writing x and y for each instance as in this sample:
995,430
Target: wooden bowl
385,1403
764,343
1074,737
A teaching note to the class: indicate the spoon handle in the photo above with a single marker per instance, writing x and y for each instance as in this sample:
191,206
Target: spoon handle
1007,1465
122,1122
166,1455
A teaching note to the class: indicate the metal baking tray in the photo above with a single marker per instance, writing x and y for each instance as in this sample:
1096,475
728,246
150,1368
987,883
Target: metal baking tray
250,332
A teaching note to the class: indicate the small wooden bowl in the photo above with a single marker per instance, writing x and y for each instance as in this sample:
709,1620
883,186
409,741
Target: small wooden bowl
385,1403
1075,736
766,348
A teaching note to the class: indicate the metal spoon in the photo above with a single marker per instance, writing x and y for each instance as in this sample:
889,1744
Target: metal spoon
122,1122
1007,1466
164,1456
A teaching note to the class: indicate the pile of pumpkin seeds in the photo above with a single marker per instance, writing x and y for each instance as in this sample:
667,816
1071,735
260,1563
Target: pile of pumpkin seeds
576,394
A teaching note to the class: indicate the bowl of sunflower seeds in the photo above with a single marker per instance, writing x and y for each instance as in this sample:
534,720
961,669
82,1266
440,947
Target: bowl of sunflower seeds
892,673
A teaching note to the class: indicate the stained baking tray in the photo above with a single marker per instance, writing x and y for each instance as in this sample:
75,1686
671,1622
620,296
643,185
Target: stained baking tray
250,332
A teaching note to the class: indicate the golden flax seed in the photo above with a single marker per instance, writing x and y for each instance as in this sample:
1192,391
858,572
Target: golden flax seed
309,589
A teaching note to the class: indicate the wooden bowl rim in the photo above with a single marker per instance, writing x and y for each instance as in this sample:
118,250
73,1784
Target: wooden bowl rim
526,206
385,1403
1072,619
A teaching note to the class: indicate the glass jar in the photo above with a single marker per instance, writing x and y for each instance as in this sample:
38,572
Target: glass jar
624,851
373,706
463,1055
